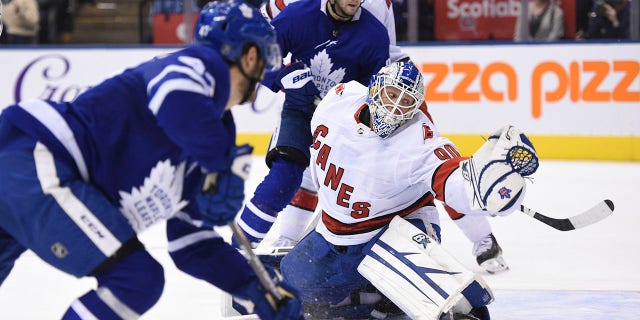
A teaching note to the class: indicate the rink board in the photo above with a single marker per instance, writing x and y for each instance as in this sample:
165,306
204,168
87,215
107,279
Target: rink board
577,101
553,305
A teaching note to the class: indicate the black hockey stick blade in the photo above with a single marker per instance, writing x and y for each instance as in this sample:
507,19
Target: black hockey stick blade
600,211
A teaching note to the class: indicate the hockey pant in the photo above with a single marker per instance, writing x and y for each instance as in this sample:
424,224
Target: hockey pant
47,207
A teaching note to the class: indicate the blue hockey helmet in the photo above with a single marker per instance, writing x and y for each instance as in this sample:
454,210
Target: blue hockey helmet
230,25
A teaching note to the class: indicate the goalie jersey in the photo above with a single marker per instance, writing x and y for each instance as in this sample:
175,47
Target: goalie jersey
334,51
357,200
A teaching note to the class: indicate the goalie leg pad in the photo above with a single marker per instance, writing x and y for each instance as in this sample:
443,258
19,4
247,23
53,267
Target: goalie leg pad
419,276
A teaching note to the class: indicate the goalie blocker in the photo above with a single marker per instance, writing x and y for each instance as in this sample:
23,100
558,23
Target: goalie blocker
419,276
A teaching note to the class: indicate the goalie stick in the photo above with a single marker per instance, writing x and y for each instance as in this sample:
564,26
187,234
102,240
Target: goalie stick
600,211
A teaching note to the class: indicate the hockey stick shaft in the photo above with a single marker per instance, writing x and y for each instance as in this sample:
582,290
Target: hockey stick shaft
598,212
255,263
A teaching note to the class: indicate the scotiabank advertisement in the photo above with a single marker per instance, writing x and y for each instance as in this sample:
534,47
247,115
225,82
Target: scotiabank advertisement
488,19
576,101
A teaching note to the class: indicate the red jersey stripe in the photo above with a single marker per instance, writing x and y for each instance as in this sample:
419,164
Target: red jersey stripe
341,228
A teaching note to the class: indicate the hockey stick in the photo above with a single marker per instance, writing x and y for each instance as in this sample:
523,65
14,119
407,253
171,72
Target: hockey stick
600,211
256,264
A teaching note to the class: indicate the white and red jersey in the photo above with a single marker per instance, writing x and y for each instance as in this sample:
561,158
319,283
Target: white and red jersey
381,9
363,180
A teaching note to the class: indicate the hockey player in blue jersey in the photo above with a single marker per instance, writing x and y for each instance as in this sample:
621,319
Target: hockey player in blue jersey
79,180
342,42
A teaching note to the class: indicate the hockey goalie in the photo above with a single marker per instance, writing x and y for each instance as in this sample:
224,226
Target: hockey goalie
379,163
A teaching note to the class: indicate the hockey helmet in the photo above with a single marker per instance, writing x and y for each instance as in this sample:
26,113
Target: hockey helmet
229,25
395,95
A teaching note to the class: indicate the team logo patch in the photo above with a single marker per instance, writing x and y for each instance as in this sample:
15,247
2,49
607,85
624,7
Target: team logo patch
504,193
59,250
426,132
421,238
340,89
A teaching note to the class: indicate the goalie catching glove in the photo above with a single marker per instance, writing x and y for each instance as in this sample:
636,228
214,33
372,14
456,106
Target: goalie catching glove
254,298
494,175
223,191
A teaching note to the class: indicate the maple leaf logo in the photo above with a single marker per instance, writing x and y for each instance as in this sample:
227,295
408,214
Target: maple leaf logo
324,78
158,198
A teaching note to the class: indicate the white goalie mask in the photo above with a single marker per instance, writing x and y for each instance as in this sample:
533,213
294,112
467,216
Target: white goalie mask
395,95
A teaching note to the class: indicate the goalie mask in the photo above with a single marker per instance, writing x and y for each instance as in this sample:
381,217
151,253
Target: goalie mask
395,94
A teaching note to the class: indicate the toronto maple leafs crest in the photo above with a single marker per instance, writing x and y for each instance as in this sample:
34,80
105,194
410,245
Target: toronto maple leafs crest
158,198
504,192
324,78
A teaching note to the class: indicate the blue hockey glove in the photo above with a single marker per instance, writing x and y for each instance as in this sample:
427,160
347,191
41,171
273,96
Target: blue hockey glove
294,136
300,92
253,298
223,192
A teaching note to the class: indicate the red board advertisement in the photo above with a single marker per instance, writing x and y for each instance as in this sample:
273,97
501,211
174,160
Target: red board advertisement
460,20
170,28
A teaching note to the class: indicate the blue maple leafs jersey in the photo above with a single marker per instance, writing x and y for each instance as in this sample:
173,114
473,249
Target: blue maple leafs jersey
170,108
334,51
144,139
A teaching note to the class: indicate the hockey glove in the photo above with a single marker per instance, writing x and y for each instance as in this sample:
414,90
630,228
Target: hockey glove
254,298
299,90
223,192
494,174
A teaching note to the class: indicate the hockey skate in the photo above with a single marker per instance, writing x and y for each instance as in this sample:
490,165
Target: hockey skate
489,254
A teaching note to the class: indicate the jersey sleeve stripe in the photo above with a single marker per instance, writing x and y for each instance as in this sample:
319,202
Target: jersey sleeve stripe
188,72
441,175
174,85
187,240
340,228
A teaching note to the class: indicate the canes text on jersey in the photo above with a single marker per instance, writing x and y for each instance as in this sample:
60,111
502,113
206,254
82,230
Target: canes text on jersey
333,176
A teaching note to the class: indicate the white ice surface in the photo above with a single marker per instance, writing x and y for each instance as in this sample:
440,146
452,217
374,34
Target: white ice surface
590,273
